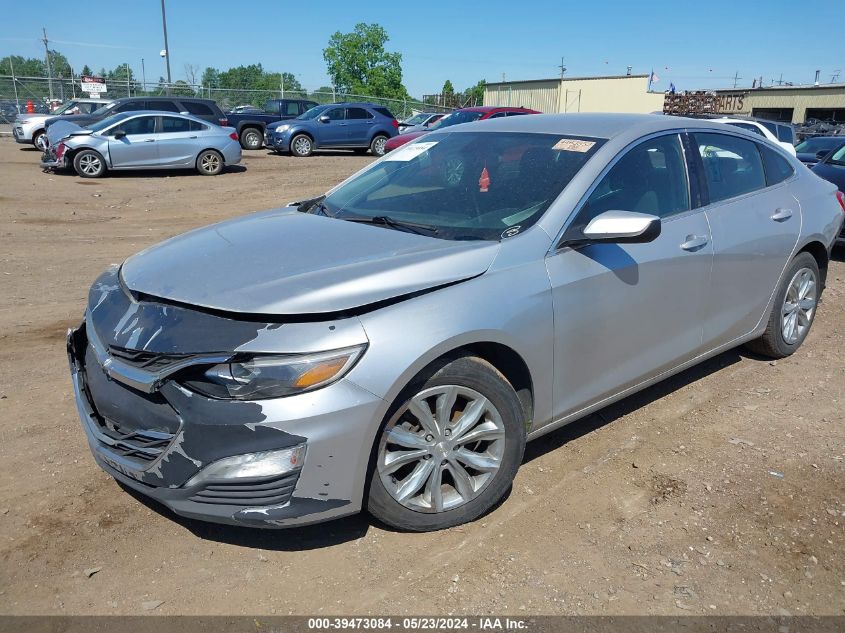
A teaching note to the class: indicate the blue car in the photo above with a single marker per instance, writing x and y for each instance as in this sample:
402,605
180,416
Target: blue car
358,126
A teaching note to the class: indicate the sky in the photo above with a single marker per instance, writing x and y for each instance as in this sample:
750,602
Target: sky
691,44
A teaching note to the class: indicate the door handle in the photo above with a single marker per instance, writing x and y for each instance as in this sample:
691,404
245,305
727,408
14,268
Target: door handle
694,242
782,214
192,137
149,140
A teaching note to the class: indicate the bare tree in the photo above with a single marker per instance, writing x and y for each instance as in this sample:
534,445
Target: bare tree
192,73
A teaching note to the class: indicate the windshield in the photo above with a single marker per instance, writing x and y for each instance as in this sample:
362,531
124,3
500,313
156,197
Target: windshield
417,119
68,106
461,116
313,113
838,157
818,144
470,185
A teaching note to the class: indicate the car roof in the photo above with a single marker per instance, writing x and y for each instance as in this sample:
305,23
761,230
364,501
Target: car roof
162,98
597,125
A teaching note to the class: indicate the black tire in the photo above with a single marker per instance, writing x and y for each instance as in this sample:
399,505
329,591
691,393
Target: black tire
773,344
210,162
39,140
89,164
377,145
476,374
251,138
301,145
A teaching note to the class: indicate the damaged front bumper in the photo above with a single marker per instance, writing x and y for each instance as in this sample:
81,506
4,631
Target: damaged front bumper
156,441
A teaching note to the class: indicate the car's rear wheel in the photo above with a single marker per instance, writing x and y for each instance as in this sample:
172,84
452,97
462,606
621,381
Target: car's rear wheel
794,309
449,448
301,145
251,138
377,145
40,140
210,162
89,164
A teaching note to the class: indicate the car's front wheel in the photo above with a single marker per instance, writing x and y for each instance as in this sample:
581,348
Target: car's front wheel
794,309
209,163
89,164
449,448
301,145
40,140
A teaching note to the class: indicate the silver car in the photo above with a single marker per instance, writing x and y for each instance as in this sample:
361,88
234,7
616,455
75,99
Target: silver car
419,122
393,344
145,139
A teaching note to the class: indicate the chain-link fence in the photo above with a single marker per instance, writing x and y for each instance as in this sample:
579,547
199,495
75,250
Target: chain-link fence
17,94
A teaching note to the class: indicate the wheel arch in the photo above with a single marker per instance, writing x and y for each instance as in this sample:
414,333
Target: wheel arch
213,149
70,154
820,254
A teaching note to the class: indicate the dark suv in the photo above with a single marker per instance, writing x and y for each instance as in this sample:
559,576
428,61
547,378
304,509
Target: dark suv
203,108
358,126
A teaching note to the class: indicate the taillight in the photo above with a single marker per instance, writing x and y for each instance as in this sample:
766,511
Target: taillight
395,123
223,122
234,136
841,197
60,151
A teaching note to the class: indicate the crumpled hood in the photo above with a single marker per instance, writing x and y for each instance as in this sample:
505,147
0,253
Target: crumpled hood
283,262
62,129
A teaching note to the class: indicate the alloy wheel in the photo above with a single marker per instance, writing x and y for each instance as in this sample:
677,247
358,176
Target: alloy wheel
441,449
302,146
799,306
90,164
210,162
41,142
378,146
252,140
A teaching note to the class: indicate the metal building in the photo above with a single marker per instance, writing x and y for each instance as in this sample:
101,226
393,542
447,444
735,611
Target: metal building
794,104
622,93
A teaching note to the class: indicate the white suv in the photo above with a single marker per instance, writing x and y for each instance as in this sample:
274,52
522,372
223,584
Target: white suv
780,133
29,128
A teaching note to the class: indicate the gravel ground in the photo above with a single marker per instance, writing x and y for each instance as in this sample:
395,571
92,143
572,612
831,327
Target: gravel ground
719,491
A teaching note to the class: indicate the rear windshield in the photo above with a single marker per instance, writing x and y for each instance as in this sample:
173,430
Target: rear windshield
461,116
467,186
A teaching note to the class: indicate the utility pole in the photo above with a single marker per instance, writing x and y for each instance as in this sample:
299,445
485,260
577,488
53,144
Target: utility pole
127,79
780,81
49,70
736,76
562,68
143,76
166,45
14,83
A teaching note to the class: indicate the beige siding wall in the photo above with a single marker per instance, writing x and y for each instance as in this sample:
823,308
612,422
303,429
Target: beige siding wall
625,94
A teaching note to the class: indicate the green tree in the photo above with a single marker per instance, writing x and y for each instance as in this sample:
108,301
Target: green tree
181,88
59,65
448,88
210,78
359,64
475,94
86,70
23,66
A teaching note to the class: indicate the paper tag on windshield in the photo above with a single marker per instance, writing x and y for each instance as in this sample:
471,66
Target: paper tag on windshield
410,152
573,145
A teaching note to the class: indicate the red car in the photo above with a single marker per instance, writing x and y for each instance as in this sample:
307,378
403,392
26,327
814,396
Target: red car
464,115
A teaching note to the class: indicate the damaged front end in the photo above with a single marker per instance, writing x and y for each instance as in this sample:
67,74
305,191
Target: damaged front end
266,462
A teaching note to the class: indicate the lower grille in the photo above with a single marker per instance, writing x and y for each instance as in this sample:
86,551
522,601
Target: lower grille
263,491
145,445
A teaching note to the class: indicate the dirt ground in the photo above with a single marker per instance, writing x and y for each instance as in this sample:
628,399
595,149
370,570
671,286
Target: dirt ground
721,491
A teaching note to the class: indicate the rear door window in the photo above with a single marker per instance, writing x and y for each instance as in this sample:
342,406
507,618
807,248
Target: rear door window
358,113
167,106
292,108
732,165
171,124
129,106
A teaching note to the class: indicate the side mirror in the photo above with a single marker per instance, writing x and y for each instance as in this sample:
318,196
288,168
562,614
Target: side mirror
622,227
324,118
118,134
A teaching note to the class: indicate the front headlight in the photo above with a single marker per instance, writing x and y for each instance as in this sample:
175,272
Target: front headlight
281,128
266,464
261,377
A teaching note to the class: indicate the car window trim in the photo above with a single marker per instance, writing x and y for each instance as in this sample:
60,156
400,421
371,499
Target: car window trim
557,245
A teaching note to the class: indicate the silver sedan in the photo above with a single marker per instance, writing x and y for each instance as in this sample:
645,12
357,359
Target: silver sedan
142,140
393,344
